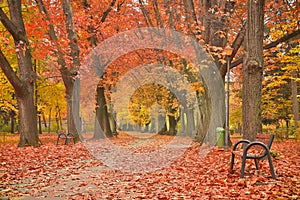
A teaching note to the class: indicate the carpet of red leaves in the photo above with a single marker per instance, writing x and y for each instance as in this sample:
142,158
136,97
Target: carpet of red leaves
71,172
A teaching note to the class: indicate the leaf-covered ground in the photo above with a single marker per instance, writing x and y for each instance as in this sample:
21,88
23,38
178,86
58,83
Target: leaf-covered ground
71,172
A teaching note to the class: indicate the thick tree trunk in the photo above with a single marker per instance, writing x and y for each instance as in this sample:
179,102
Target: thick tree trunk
28,122
172,125
253,70
27,109
71,106
73,86
102,116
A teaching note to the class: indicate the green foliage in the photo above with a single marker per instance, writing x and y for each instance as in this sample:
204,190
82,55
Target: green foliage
275,154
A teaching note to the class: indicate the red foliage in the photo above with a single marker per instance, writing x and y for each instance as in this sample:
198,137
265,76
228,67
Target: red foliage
72,173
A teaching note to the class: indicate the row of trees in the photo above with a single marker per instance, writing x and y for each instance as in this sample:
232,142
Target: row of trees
262,34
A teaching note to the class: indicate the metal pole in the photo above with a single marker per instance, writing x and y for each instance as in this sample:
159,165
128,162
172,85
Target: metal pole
227,105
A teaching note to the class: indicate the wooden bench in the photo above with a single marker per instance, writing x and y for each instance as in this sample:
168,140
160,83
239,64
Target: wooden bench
256,150
62,134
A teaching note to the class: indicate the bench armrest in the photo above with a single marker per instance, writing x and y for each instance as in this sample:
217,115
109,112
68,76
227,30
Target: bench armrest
70,134
257,143
240,142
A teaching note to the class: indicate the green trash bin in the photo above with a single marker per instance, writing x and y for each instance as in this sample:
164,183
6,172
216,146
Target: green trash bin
220,136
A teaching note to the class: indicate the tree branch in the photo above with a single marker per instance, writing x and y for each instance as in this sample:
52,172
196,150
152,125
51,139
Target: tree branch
51,32
105,14
237,43
11,27
291,36
236,63
11,74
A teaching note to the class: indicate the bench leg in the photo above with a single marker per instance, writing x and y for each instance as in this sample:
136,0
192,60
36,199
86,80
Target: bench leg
271,166
232,163
243,167
256,164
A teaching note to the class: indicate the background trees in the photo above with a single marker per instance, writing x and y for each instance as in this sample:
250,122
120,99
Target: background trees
54,35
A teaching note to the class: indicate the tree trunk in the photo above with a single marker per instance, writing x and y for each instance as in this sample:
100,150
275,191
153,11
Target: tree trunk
287,125
72,97
12,121
58,118
163,130
172,125
253,70
112,121
294,99
102,116
28,122
49,120
39,123
73,82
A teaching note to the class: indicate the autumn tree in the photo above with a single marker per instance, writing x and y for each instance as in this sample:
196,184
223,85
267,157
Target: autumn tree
96,14
280,87
23,80
68,69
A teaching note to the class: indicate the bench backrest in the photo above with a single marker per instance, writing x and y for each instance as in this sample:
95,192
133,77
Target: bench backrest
272,136
267,139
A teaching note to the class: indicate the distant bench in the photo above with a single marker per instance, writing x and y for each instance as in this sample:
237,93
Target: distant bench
256,150
62,134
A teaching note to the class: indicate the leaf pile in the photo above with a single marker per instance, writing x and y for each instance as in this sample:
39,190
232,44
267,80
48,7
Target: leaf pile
71,172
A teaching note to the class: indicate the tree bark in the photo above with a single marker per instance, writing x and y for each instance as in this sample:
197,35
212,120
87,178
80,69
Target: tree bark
253,70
